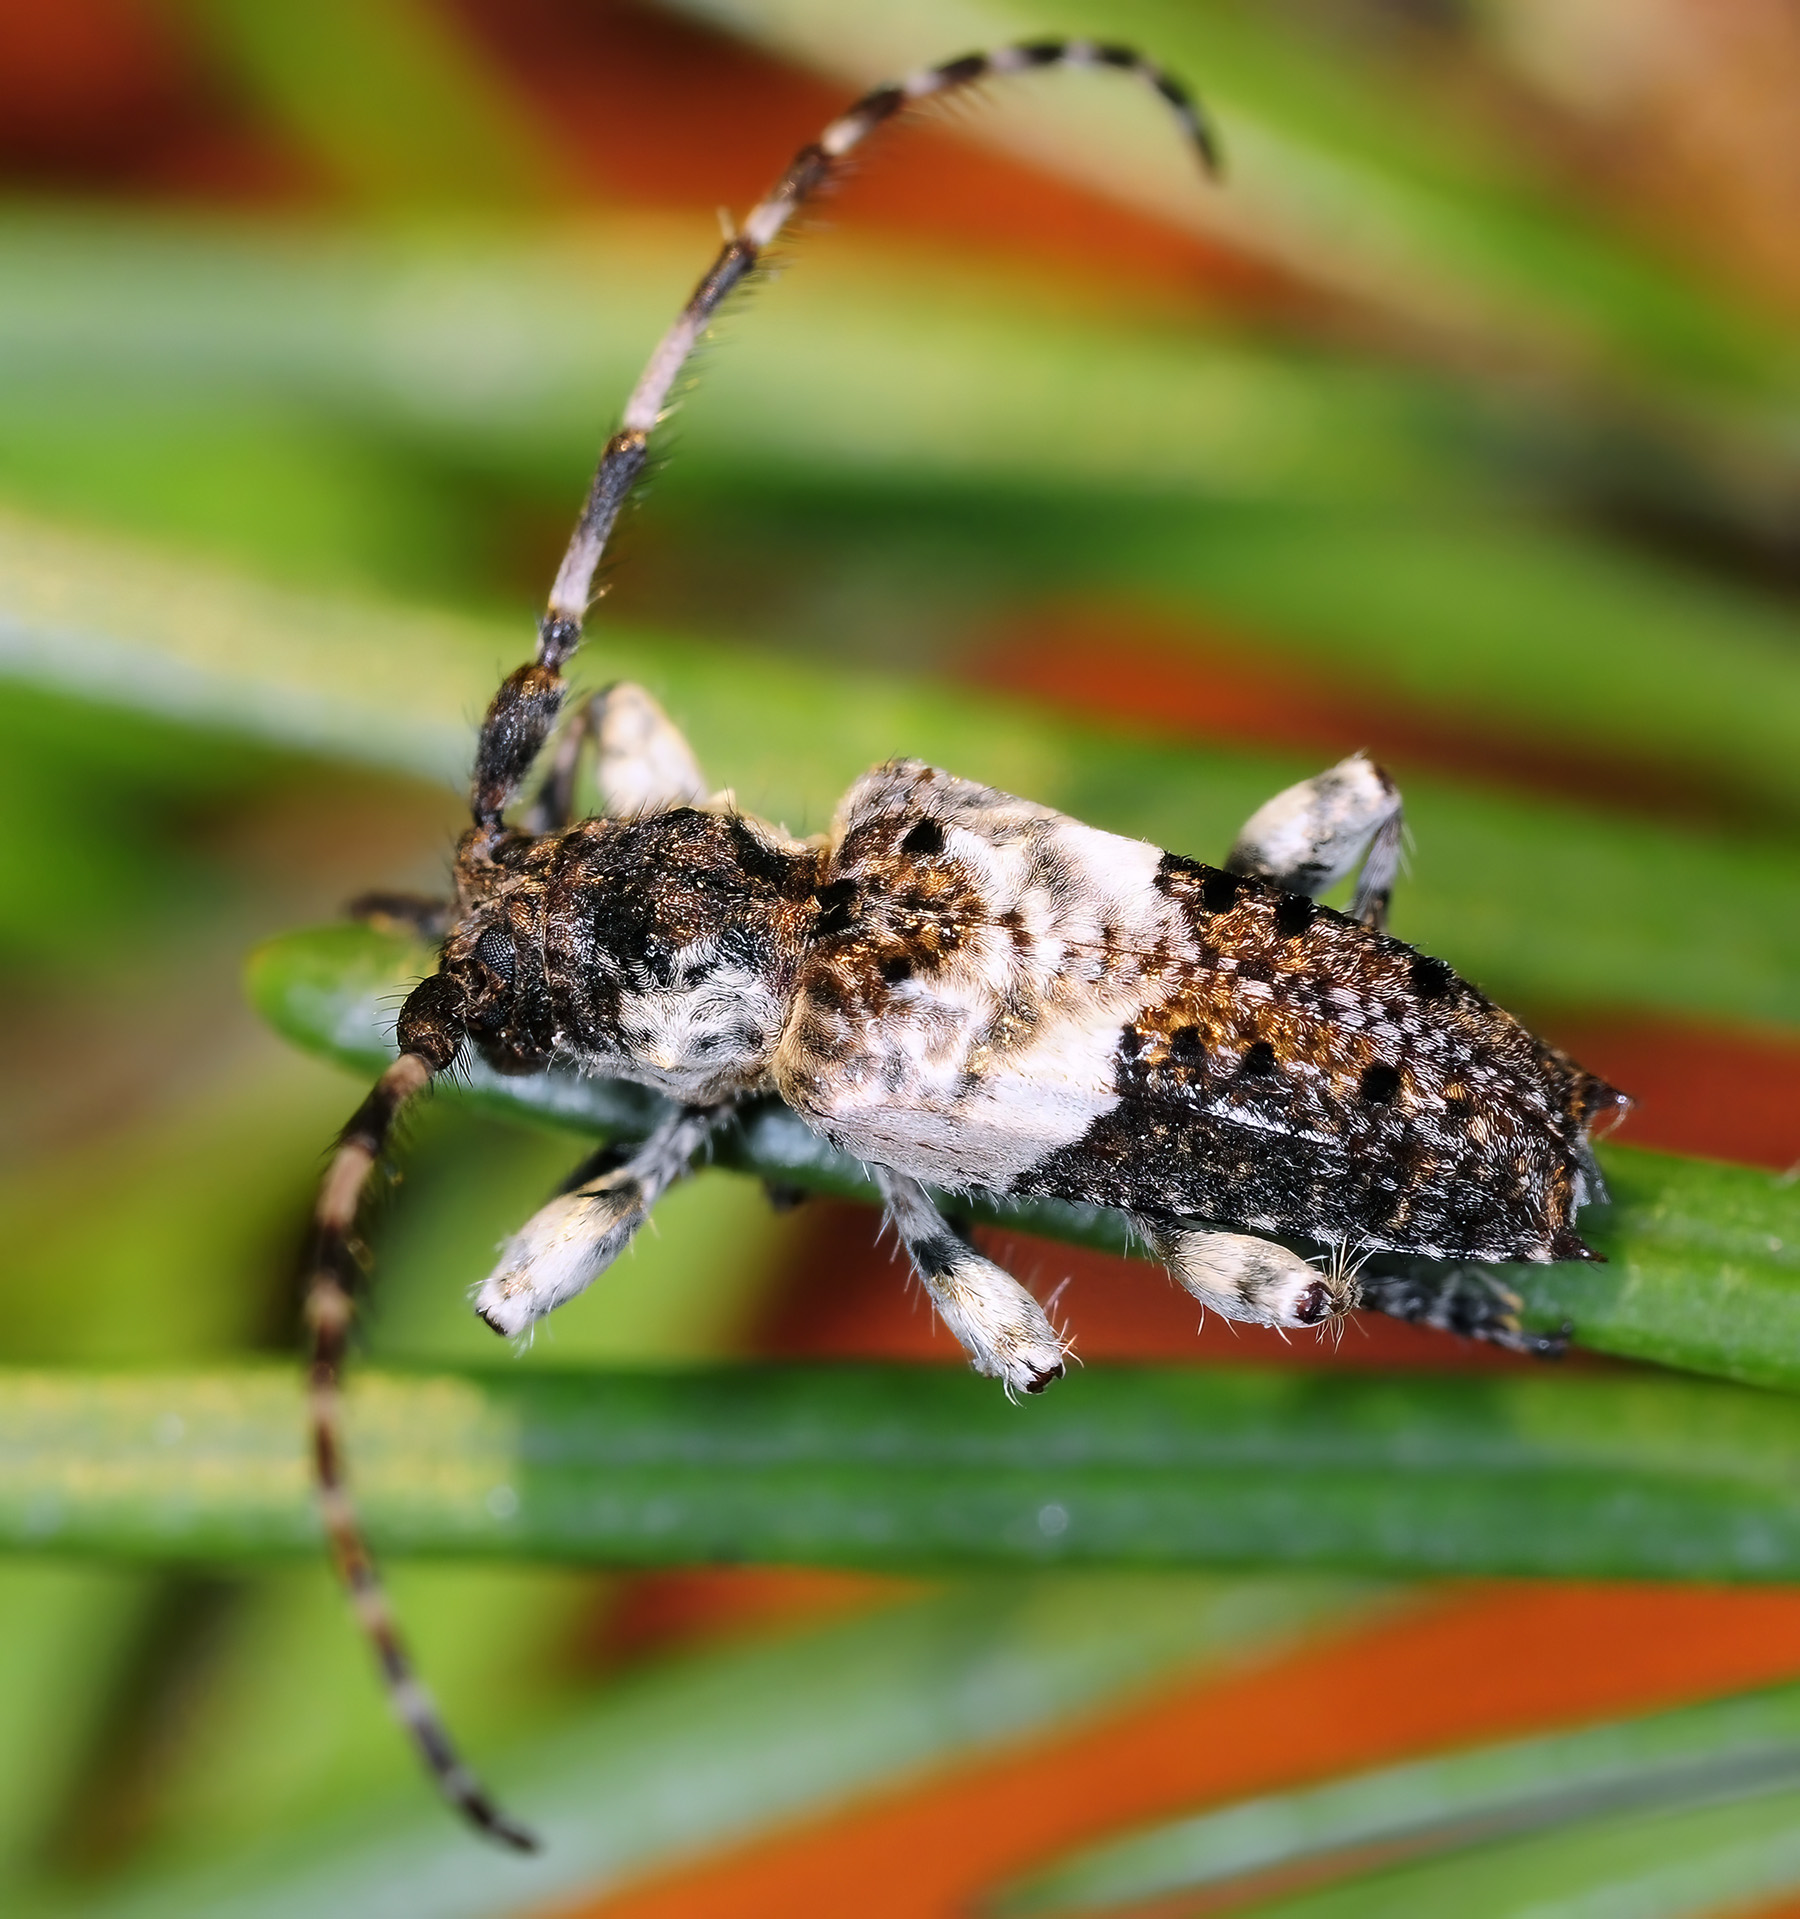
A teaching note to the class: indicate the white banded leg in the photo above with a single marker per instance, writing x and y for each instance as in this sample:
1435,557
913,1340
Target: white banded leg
642,762
1005,1332
1240,1276
565,1246
1312,835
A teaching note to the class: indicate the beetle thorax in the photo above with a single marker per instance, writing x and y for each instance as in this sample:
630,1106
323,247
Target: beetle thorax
661,950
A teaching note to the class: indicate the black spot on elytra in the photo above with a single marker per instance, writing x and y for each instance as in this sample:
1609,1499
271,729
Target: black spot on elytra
1380,1083
925,839
1431,978
896,969
1468,1206
1172,867
1258,1061
1185,1043
837,907
1219,891
1012,923
1294,913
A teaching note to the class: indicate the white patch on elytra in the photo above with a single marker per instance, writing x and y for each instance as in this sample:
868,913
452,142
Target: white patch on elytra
973,1072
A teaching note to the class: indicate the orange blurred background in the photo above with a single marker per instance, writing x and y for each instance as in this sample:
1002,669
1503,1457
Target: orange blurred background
122,101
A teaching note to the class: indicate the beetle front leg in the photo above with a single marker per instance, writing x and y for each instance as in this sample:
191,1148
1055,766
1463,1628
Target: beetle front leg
565,1246
415,913
1312,835
642,763
1006,1333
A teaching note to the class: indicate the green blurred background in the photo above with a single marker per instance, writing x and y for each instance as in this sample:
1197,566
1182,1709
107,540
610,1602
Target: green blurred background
1462,423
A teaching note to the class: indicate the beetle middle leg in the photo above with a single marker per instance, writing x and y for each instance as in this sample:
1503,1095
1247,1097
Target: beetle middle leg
1006,1333
1245,1277
1312,835
565,1246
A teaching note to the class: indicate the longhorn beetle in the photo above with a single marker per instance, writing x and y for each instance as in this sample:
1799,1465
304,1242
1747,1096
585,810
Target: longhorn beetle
966,991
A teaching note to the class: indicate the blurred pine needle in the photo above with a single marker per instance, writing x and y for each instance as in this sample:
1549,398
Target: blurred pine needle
1473,392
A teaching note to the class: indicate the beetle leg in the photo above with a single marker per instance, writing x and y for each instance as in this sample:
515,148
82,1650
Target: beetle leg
1006,1333
1314,834
1458,1299
404,912
642,764
1242,1276
565,1246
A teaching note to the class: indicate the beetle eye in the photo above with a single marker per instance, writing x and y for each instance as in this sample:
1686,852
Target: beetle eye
495,951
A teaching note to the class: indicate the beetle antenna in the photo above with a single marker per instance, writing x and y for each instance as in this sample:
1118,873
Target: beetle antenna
431,1039
525,710
811,168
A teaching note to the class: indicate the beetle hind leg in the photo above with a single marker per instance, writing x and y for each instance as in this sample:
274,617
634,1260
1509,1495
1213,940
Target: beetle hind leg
1468,1300
1006,1333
